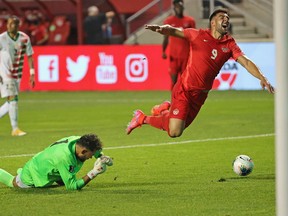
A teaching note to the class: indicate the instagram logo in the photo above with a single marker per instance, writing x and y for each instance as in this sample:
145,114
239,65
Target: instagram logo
136,68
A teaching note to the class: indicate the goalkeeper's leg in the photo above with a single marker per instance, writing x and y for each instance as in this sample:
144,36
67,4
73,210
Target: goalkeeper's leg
6,178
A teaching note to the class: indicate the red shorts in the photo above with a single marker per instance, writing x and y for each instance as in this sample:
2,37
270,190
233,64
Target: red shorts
177,65
186,104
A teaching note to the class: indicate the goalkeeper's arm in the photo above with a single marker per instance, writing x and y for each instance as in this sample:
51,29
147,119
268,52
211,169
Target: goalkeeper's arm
86,180
72,183
99,167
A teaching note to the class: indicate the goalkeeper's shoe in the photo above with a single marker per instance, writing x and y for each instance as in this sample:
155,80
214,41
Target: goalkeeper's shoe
18,132
158,109
137,121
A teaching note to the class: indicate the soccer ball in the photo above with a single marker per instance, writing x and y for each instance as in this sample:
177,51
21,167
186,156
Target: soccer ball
243,165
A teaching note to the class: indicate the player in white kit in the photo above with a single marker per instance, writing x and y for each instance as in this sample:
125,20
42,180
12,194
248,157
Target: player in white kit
14,45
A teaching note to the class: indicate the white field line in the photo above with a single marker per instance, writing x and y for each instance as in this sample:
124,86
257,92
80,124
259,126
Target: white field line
163,144
122,100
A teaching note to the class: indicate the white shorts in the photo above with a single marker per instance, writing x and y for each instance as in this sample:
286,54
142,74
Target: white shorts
9,87
20,183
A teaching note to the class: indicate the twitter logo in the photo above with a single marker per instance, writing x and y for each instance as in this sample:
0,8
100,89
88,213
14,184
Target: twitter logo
77,70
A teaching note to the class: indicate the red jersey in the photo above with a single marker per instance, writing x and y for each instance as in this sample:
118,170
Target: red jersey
179,47
206,58
38,33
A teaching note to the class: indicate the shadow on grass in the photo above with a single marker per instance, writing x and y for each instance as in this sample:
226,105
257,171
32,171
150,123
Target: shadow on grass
142,188
55,189
113,188
253,177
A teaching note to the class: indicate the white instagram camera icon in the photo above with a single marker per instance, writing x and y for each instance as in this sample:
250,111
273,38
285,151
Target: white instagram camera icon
136,68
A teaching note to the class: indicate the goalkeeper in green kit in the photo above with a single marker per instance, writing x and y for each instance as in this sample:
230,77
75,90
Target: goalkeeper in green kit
59,164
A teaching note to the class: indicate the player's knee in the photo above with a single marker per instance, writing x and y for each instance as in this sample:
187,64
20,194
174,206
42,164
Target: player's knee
175,133
176,128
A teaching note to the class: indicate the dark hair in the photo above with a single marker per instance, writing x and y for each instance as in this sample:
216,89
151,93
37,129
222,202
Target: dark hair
177,1
219,10
15,19
90,141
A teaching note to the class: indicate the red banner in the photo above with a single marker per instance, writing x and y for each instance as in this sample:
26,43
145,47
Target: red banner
130,67
103,68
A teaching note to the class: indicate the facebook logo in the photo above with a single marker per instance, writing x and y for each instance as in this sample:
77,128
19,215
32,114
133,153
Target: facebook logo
48,68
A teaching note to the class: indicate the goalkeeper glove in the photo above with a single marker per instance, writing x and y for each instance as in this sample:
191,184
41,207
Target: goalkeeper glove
106,160
99,167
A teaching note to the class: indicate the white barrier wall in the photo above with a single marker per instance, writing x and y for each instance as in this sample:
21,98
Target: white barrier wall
234,76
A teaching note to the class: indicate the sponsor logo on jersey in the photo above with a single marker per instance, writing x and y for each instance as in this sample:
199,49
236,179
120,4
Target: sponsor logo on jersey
71,169
225,49
175,111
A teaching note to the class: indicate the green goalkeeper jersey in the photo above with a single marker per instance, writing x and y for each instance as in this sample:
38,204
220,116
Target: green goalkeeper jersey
57,163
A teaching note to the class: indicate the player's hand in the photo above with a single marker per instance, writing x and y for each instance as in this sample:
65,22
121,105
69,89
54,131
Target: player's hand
152,27
32,80
106,160
99,167
163,29
266,84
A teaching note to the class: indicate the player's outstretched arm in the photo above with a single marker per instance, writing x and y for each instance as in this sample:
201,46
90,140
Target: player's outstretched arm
166,30
252,68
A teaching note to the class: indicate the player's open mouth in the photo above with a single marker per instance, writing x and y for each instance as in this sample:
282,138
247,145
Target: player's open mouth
225,25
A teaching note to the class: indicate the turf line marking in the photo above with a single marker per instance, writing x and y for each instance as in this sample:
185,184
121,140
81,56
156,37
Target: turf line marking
191,141
164,144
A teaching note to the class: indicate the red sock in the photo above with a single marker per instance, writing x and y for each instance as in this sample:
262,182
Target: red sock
160,122
164,112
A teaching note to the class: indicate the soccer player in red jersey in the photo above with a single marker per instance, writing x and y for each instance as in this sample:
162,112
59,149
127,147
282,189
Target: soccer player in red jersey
211,49
178,47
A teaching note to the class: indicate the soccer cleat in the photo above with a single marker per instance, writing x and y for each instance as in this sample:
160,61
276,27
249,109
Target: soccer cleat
137,121
158,109
18,132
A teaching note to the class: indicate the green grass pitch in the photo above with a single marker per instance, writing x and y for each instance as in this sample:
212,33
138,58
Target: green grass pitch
152,173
